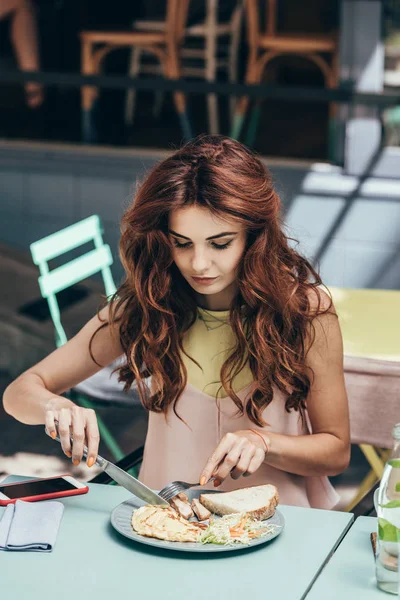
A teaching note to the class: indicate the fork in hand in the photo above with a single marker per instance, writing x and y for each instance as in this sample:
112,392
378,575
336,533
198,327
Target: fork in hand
176,487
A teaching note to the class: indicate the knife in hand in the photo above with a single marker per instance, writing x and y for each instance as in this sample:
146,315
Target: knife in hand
123,478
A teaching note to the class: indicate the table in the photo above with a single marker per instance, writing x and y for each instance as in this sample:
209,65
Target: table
350,574
91,560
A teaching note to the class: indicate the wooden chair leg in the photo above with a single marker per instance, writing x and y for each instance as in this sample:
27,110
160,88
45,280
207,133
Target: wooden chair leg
171,70
90,133
244,101
253,124
158,102
232,101
239,117
263,74
89,95
212,100
211,65
332,111
134,69
212,108
233,56
384,453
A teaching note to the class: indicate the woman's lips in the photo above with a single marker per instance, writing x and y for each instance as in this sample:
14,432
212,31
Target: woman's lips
204,280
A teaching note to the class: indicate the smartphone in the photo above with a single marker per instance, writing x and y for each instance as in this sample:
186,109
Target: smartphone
33,490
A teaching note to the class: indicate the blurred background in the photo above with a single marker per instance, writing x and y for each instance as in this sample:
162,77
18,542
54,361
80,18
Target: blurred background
69,151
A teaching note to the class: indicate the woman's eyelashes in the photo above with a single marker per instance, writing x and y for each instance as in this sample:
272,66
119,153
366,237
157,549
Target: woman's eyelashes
213,244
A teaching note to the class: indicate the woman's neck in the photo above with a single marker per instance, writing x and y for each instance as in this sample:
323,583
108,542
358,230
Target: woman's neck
220,301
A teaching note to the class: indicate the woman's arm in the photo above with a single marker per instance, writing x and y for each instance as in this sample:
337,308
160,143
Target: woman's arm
327,450
34,397
26,398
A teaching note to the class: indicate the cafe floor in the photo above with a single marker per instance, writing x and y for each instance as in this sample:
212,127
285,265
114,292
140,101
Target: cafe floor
27,450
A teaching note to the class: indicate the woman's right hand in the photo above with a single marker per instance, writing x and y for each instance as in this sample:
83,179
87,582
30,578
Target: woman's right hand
78,422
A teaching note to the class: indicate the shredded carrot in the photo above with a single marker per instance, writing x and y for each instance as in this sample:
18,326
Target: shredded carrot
257,533
238,530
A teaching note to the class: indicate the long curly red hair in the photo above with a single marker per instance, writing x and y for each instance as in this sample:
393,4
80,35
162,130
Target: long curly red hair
271,314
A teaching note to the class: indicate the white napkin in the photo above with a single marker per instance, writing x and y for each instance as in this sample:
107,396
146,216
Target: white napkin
30,525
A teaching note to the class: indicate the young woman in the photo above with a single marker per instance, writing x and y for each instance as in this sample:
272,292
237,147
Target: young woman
243,347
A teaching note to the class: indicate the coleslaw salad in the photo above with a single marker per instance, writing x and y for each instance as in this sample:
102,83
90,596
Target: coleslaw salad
235,528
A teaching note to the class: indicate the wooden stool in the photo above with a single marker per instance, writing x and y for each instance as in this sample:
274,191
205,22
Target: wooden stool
265,46
96,45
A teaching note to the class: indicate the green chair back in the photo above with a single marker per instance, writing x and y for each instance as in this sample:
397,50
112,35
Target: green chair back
97,260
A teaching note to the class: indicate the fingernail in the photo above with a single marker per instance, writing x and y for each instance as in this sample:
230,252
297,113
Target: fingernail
216,482
90,462
53,435
69,454
202,480
75,462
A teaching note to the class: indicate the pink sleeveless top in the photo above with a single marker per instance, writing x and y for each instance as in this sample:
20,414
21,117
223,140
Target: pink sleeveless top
179,450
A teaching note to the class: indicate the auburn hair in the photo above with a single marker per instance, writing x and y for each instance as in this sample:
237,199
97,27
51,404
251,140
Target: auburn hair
271,314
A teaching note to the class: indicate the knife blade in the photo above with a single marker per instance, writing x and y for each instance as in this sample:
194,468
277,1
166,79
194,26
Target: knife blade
133,485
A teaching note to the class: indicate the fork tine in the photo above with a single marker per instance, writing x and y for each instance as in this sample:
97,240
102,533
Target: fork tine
174,488
165,494
165,491
171,491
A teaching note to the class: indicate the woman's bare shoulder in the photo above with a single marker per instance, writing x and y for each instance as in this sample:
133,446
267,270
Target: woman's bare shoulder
320,300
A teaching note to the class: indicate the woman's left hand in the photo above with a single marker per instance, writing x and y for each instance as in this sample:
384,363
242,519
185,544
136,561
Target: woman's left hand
238,453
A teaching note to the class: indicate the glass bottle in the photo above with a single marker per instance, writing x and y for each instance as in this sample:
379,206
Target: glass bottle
388,511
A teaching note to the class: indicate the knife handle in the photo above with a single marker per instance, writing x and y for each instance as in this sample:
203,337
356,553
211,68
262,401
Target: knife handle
100,461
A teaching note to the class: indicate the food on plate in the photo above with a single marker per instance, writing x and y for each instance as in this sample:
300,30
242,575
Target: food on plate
234,529
201,512
259,502
242,515
183,496
182,507
165,524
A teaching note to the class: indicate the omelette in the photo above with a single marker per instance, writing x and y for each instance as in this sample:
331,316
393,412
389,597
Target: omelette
164,524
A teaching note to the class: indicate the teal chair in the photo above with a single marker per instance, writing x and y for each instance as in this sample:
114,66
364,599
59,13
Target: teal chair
104,385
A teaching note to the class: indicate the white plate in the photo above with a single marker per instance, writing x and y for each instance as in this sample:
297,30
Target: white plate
121,521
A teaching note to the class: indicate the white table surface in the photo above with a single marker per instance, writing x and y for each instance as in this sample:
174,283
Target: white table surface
91,560
350,573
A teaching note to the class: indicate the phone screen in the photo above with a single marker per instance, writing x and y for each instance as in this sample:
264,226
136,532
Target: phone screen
35,488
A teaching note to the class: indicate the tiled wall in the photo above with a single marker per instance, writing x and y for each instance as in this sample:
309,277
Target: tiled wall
44,188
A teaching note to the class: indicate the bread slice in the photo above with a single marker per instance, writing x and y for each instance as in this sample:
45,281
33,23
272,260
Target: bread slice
258,501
